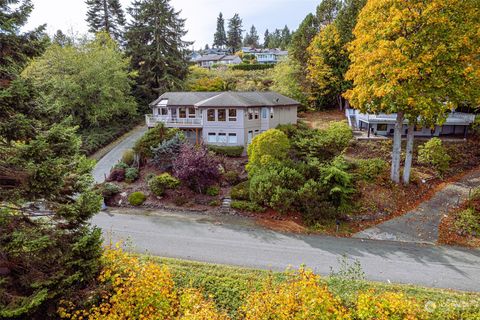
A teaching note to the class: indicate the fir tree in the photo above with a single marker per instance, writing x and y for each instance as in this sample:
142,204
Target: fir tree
266,39
286,37
62,39
220,37
251,38
157,51
106,15
234,35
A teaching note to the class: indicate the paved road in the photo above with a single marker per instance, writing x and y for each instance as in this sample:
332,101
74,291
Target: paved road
102,169
238,241
421,224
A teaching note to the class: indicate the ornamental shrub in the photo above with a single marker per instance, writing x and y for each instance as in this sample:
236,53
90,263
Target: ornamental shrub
388,306
108,190
168,150
232,177
337,182
266,148
468,222
116,174
241,191
131,174
433,153
128,157
136,198
370,169
196,167
301,297
314,203
213,191
250,67
121,165
152,138
247,206
160,183
228,151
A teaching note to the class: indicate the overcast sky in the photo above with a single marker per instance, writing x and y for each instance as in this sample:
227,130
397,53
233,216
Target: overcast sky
200,14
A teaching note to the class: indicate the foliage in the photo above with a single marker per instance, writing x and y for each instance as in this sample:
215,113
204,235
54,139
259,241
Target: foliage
196,167
121,165
338,182
388,305
220,37
275,186
137,198
265,148
212,191
314,203
167,150
207,84
234,33
229,151
247,206
108,190
89,82
106,16
241,191
232,177
251,38
214,203
370,169
153,138
158,57
468,222
116,174
285,79
128,157
160,183
301,297
435,154
131,175
250,67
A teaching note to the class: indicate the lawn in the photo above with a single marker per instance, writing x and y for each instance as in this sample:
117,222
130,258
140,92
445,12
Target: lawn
228,286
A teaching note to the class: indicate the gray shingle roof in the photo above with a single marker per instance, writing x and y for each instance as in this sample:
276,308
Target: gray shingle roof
226,99
211,57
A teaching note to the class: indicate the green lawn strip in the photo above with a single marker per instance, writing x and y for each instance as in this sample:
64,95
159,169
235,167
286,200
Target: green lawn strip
228,285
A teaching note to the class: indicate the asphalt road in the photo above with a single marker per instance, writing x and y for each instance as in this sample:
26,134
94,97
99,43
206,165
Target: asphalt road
238,241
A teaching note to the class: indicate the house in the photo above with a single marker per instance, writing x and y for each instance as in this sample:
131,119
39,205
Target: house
209,60
222,118
266,56
457,123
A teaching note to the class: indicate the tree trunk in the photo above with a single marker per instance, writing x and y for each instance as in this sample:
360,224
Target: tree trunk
409,154
397,148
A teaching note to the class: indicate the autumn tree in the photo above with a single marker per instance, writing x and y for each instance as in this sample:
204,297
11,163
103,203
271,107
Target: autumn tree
106,16
220,37
418,59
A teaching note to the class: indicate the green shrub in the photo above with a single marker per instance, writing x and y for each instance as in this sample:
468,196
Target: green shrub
149,176
121,165
136,198
160,183
128,157
247,206
337,182
468,222
232,177
228,151
131,175
215,203
151,139
314,203
108,190
370,169
241,191
180,199
213,191
168,150
434,153
250,67
266,148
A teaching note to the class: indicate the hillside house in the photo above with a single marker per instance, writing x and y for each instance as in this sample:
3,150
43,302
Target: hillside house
222,118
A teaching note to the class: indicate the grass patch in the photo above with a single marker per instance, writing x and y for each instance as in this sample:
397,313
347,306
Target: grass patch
228,286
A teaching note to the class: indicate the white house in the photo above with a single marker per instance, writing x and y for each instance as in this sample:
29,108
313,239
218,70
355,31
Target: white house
266,56
222,118
209,60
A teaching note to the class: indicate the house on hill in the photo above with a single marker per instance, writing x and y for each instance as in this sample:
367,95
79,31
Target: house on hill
209,60
222,118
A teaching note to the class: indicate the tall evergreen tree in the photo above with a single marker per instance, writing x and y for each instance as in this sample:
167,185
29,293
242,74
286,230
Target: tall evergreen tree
42,259
251,38
327,11
286,37
302,38
108,16
62,39
266,39
234,34
157,51
220,37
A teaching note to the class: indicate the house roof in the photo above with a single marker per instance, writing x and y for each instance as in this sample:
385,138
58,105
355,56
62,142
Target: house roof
211,57
230,57
226,99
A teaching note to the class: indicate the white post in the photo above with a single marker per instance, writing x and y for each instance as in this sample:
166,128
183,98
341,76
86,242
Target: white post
397,148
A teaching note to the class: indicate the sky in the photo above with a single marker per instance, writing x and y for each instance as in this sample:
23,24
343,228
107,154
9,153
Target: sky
69,15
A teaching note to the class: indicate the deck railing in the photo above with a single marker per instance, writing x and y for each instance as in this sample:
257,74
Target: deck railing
152,121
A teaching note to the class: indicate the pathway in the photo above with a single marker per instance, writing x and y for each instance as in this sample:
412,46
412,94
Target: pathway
421,224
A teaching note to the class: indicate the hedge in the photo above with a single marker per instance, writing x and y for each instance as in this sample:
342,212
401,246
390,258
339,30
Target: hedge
228,151
251,67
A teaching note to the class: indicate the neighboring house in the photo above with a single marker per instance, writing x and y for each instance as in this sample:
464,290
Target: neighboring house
209,60
223,118
457,123
266,56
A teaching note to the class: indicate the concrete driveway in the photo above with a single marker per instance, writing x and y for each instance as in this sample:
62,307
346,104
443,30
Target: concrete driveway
238,241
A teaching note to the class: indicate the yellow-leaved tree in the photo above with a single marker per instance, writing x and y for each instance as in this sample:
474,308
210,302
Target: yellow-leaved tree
418,59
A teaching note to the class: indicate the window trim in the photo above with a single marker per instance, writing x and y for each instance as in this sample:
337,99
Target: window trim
208,115
230,117
212,134
224,115
232,135
222,134
190,115
184,111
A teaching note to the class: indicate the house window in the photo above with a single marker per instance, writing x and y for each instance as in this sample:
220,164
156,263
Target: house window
232,114
191,112
250,136
163,111
257,132
382,127
211,115
256,113
182,112
222,138
250,114
222,115
212,137
232,138
264,113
